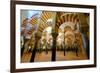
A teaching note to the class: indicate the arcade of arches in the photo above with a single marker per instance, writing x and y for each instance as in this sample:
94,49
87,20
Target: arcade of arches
54,36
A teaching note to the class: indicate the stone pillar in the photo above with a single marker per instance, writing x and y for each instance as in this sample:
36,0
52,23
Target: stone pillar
46,47
64,43
54,35
37,38
22,48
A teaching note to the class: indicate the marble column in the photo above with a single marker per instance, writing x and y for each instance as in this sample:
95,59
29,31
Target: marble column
37,38
54,35
23,46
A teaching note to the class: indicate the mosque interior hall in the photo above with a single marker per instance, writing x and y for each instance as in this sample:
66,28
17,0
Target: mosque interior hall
48,36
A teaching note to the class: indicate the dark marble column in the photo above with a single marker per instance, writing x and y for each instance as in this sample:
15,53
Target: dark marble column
23,47
64,44
22,50
54,35
64,47
35,47
46,48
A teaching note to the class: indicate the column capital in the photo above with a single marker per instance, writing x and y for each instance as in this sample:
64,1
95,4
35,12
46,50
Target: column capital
54,34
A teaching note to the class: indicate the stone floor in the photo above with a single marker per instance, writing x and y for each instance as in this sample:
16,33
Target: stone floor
43,57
